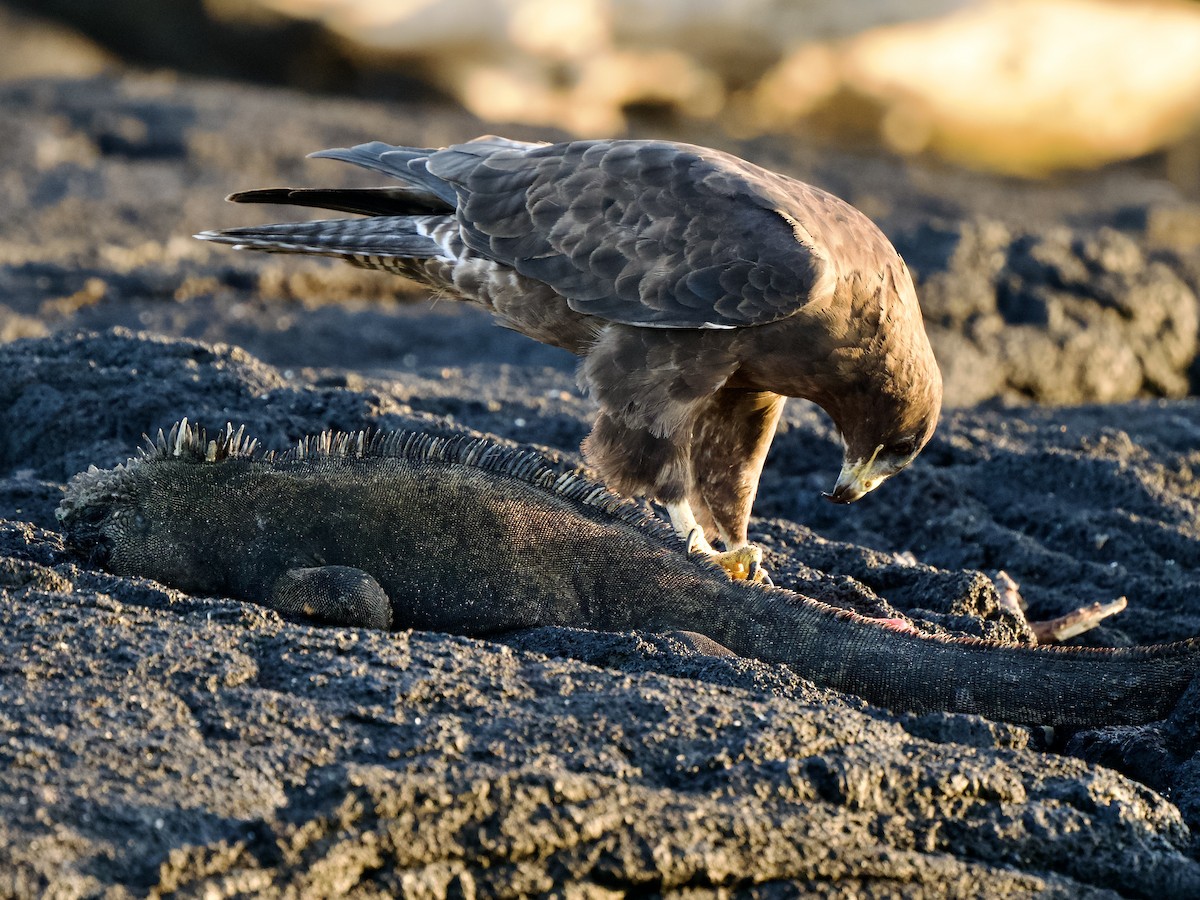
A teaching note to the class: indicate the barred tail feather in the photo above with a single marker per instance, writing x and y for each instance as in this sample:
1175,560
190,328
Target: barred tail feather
402,237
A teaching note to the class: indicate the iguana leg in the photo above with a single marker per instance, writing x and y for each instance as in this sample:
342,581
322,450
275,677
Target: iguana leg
744,562
700,643
1062,628
1076,622
332,595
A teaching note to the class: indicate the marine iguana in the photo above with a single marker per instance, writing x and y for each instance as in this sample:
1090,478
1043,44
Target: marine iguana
463,535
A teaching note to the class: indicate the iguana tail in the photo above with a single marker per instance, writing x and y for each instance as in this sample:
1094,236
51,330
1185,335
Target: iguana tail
1066,686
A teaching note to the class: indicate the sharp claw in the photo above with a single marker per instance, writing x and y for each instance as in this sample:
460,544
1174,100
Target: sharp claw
692,540
1053,631
758,573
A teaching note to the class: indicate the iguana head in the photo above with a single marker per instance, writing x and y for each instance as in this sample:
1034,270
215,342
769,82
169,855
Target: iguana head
93,500
108,514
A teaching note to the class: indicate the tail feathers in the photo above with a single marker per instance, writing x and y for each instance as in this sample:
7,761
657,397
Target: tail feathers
381,236
398,200
404,163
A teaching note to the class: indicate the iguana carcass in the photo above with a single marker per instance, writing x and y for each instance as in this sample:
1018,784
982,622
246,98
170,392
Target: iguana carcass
463,535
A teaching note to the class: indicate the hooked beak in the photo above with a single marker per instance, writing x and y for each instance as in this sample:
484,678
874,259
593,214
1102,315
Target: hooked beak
858,478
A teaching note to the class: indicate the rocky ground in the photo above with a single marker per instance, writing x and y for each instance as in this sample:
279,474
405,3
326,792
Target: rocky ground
155,742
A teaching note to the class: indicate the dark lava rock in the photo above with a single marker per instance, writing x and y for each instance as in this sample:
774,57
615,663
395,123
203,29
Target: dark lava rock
1056,315
160,742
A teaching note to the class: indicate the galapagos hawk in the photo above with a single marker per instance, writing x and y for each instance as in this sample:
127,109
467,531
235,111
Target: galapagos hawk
698,289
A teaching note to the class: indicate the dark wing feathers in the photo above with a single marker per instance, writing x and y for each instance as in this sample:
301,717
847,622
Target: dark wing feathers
377,155
404,163
637,232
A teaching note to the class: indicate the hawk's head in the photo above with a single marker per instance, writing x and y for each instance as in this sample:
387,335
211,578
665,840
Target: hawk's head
865,467
886,418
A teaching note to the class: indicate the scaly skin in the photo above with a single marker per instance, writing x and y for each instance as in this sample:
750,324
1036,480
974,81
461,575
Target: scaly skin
468,537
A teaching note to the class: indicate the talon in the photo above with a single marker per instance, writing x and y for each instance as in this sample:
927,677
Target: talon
694,537
758,572
1010,594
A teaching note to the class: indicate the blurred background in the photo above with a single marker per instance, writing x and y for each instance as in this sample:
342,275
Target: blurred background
1023,87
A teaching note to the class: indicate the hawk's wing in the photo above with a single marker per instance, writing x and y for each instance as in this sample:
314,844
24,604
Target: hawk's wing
652,233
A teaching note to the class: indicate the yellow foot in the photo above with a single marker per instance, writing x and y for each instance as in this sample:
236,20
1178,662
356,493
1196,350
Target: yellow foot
741,564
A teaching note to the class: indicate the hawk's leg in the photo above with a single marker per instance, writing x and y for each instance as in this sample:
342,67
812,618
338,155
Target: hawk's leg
633,461
730,438
651,386
739,562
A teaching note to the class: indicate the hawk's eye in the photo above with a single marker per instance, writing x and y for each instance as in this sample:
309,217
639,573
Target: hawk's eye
903,447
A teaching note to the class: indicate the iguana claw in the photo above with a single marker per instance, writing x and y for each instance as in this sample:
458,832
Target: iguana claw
1062,628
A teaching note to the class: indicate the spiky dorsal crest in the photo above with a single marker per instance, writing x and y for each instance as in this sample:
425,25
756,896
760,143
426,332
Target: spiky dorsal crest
190,443
95,489
480,453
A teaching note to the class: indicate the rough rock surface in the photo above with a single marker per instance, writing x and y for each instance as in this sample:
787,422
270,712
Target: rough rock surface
156,742
1057,315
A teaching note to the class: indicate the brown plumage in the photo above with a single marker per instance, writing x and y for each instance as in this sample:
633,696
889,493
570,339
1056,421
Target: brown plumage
699,290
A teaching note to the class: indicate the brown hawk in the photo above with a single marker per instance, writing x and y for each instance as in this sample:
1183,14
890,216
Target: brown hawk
698,289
